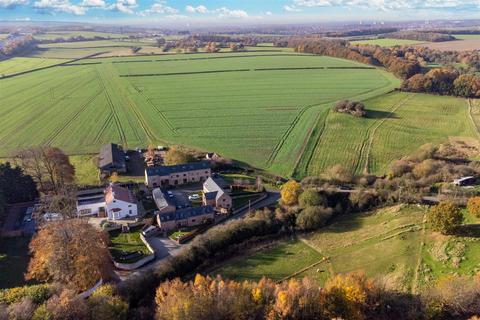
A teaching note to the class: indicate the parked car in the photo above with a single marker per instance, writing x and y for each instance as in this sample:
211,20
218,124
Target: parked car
170,194
194,197
150,231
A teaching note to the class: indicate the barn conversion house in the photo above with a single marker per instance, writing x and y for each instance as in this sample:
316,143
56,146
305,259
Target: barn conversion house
165,176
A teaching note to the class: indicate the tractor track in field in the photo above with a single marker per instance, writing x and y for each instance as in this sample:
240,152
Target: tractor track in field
161,113
102,129
317,141
121,133
60,130
470,115
365,148
289,130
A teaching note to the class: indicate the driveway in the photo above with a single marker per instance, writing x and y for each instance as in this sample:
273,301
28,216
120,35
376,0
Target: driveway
163,247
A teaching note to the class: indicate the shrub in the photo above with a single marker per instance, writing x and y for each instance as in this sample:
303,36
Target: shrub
311,198
313,218
338,174
354,108
290,192
445,217
37,293
473,206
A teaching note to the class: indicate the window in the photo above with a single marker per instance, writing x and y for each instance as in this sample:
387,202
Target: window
130,211
129,205
193,220
85,211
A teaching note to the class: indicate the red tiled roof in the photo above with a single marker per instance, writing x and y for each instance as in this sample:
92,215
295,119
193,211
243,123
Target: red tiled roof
114,192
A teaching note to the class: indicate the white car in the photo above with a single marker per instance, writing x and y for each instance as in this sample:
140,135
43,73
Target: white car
194,197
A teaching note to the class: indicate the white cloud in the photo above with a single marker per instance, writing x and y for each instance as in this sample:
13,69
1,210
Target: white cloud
386,4
52,6
224,12
199,9
12,3
93,3
291,8
124,6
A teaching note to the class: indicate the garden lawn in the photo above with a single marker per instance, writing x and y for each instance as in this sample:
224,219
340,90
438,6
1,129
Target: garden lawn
127,242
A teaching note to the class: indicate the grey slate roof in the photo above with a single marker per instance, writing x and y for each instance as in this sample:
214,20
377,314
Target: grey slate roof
214,185
161,200
167,170
210,195
186,213
111,154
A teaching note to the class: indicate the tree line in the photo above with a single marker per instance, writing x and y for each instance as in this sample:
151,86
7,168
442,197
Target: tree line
421,36
407,63
373,55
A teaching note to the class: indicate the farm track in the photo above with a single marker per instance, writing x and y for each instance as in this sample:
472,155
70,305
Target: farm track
121,133
418,265
365,148
60,130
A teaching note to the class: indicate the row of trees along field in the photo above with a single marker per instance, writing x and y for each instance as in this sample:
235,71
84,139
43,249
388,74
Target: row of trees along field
421,36
406,62
17,46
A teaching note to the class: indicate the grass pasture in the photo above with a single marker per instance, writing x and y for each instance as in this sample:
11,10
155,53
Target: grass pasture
254,107
387,42
275,263
396,124
393,243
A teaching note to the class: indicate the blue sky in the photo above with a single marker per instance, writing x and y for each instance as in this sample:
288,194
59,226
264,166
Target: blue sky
235,11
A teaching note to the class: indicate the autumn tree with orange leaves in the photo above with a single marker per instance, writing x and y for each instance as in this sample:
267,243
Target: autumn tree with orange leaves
71,253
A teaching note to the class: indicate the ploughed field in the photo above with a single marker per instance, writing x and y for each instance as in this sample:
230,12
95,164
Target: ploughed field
270,109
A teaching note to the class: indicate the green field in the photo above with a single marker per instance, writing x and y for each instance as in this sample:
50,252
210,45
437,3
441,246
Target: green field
69,34
396,125
392,243
466,36
19,64
255,107
276,263
387,42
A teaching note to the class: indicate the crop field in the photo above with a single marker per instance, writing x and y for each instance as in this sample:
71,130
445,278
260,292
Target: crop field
393,243
16,65
467,44
255,107
69,34
396,124
466,36
387,42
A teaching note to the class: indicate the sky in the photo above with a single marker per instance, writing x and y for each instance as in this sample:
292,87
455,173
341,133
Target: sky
235,11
